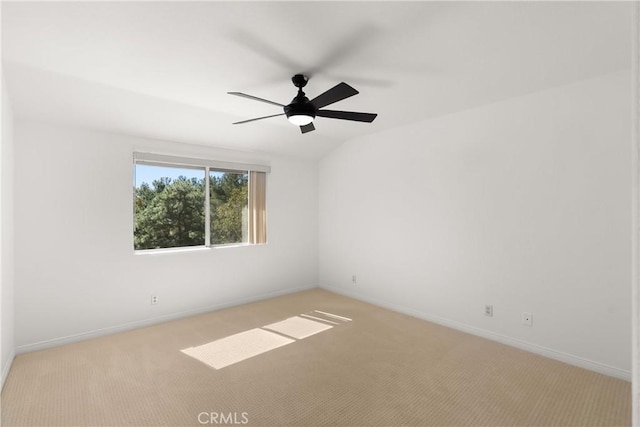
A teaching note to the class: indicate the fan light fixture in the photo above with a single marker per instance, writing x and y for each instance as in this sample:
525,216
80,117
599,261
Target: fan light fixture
300,119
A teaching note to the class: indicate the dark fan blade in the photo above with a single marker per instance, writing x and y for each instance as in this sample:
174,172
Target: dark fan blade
255,98
258,118
347,48
307,128
337,93
347,115
259,45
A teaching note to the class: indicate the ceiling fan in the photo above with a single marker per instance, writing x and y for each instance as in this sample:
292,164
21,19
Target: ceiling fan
302,111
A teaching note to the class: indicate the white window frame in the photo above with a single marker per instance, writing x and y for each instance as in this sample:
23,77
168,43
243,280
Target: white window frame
153,159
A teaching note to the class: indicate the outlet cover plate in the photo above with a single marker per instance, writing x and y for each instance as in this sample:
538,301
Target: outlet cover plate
488,310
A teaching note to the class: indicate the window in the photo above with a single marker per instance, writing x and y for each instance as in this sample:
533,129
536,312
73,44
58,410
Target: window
182,202
169,207
228,200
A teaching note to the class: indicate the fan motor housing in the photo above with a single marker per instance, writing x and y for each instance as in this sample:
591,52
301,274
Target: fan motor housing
300,105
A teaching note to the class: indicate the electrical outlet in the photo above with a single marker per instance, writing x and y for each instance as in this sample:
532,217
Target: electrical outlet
488,310
354,279
527,319
154,299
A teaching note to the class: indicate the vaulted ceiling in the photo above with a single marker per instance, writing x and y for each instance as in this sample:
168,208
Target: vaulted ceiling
163,69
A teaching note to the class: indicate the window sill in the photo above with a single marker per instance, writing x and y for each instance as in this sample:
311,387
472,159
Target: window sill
193,248
169,250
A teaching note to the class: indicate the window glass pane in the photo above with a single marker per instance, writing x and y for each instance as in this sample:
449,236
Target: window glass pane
169,207
228,210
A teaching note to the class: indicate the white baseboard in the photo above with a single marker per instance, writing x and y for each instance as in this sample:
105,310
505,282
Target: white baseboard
55,342
571,359
6,368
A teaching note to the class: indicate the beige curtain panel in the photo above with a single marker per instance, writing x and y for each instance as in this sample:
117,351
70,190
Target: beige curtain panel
257,207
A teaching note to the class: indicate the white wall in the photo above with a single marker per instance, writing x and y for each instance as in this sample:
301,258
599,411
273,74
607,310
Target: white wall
635,198
7,348
523,204
76,271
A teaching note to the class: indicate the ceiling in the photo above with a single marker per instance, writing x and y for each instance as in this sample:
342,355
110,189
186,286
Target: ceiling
163,69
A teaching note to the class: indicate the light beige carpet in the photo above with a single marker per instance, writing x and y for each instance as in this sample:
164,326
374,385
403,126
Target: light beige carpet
382,368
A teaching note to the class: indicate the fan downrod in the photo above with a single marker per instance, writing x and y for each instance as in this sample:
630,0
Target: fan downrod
300,105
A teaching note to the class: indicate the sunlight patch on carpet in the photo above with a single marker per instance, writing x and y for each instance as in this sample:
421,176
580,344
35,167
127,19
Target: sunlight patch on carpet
308,316
236,348
334,316
298,327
